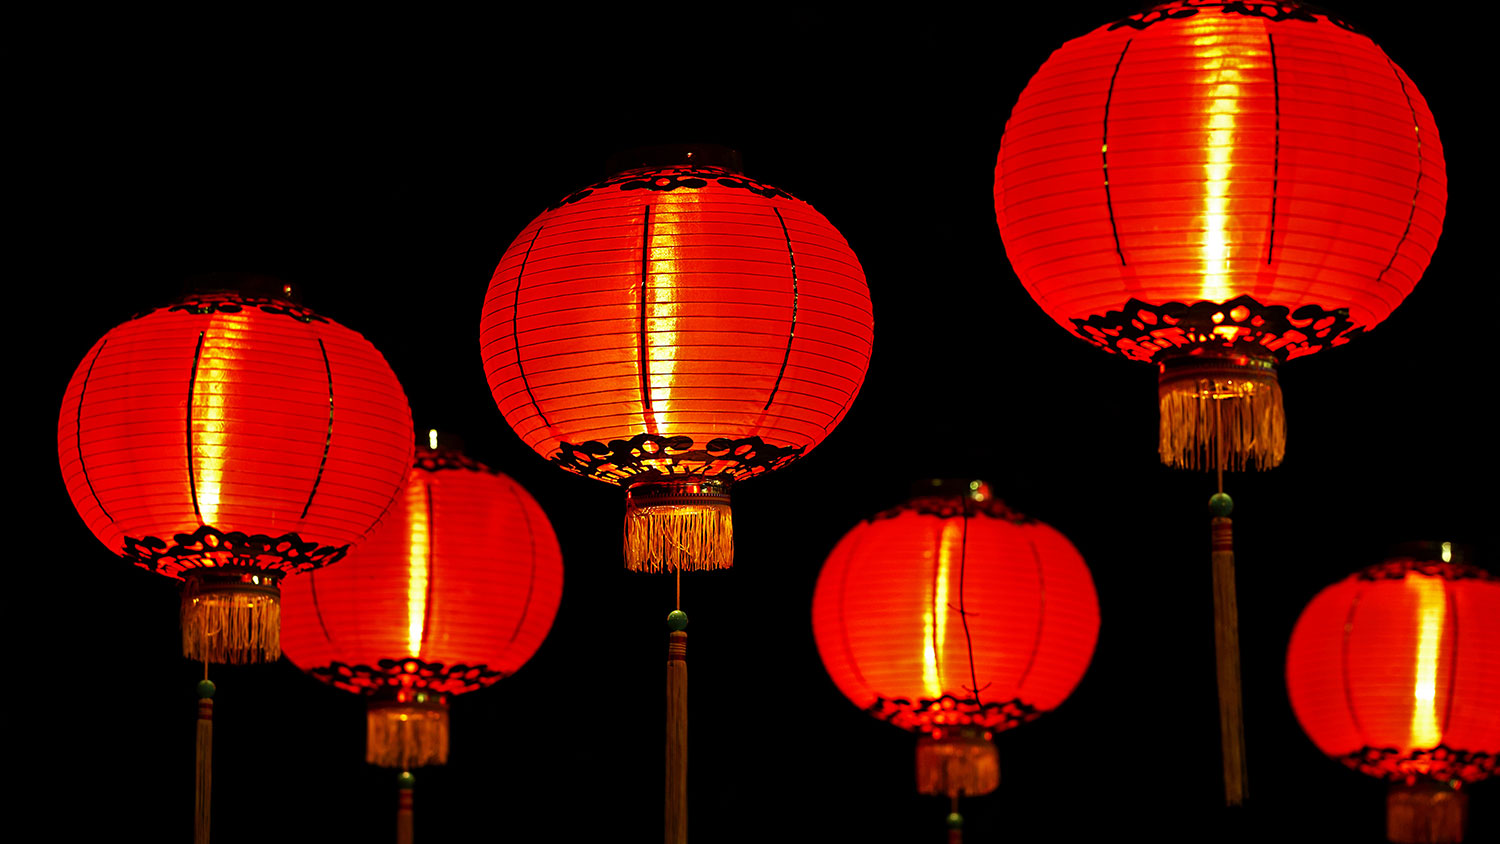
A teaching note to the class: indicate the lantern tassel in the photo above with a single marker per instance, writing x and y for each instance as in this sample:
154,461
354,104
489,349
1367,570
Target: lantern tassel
230,618
204,769
957,760
678,526
1227,647
408,731
677,714
1221,409
1425,812
404,822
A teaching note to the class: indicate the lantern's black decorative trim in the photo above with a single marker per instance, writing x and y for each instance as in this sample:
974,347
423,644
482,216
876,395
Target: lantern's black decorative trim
233,303
393,673
651,457
1398,569
328,439
1139,330
953,710
1441,763
953,506
445,459
792,332
1274,12
680,177
287,553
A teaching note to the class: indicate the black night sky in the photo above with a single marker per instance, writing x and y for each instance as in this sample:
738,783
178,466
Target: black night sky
385,159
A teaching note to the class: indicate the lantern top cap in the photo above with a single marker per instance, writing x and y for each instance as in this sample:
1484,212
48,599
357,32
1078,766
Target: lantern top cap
249,284
676,155
436,439
974,490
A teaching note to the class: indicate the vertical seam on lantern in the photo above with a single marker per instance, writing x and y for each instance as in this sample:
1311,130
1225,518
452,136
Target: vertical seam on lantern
1276,150
1452,659
328,440
937,567
427,599
530,581
1344,667
963,615
78,430
515,312
312,588
1104,151
792,257
1041,618
843,626
193,383
1417,193
645,362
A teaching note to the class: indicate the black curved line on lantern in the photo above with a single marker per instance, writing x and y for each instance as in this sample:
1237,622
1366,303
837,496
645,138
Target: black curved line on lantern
1276,151
1417,192
531,579
792,333
1104,151
328,440
515,311
645,361
1344,663
78,430
192,383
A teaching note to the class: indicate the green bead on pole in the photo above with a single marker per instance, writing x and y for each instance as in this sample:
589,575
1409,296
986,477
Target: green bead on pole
955,820
677,620
205,689
1221,505
405,780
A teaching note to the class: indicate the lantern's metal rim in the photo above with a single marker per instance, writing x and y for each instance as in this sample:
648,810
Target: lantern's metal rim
390,697
973,489
253,285
957,734
676,155
1218,362
689,491
238,579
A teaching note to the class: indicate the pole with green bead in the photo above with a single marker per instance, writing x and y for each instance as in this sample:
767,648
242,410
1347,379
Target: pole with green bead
203,778
404,785
677,712
1227,634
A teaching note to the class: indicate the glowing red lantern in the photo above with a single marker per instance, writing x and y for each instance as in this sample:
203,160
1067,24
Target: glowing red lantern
1395,671
455,590
955,617
1217,188
674,329
228,440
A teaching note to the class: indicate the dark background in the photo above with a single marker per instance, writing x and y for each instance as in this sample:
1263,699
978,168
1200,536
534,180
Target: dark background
384,161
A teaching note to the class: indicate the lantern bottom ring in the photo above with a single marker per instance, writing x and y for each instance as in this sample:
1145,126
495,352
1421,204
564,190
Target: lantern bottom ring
231,615
1221,408
406,729
679,525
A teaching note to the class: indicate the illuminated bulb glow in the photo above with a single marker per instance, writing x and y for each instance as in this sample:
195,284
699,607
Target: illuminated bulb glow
661,292
1432,606
419,543
935,619
207,430
432,439
1223,74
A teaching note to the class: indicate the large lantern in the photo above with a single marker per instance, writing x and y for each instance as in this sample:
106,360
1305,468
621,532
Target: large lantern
955,617
1218,188
674,330
456,590
229,440
1395,671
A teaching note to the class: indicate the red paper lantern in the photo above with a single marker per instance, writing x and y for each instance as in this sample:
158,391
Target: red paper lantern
1220,187
672,330
228,440
455,590
1395,671
954,616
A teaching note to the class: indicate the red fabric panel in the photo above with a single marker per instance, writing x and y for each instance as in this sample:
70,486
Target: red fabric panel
464,575
1400,658
229,415
1288,160
757,317
887,620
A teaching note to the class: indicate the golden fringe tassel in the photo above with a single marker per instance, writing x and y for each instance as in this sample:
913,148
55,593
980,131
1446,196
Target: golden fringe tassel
677,715
679,537
224,623
204,770
406,735
962,760
1248,416
1425,813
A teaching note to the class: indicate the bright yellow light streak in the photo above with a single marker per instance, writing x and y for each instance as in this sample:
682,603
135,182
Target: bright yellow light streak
663,343
420,538
214,375
432,438
935,620
1221,66
1432,604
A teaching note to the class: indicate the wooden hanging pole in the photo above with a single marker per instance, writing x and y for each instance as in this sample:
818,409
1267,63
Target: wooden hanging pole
955,823
404,784
676,794
204,772
1226,634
